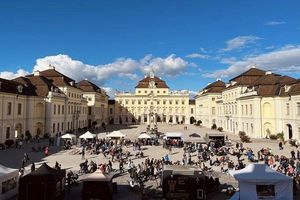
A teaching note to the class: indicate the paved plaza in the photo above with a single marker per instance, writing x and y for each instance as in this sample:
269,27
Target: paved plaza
70,160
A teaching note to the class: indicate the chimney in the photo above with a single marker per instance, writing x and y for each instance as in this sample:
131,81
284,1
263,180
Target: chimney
218,79
268,73
51,67
36,73
208,83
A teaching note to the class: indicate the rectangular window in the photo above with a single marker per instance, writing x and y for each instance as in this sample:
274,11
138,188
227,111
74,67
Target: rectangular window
192,111
139,102
111,111
170,102
235,109
63,109
62,126
213,110
246,109
9,108
58,110
287,109
53,127
242,109
251,109
7,132
298,108
89,110
54,109
19,109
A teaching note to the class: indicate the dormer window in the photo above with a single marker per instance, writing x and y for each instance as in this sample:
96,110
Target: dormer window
20,88
287,88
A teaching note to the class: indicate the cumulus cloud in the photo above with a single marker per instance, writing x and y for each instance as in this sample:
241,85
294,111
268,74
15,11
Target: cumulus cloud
122,67
239,42
284,60
11,75
274,23
110,92
169,66
197,55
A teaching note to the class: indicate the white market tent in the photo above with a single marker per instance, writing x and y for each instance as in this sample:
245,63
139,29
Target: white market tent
87,135
257,181
68,136
8,182
144,136
173,135
116,134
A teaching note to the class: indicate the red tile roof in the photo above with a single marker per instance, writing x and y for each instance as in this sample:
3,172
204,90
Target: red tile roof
158,82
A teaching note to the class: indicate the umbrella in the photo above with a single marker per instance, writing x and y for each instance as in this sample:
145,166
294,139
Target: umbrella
194,135
144,136
116,134
68,136
87,135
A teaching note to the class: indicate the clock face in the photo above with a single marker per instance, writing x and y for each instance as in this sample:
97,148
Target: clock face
151,84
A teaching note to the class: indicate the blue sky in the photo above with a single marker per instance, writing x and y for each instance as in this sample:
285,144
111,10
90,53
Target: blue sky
114,43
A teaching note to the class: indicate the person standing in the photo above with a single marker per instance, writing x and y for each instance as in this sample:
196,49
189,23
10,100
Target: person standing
83,153
280,146
46,151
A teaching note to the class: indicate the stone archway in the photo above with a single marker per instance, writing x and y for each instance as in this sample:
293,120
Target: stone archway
18,130
38,128
192,120
267,129
289,131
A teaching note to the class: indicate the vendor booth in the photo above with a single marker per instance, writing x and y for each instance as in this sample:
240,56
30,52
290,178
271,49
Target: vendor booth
218,138
87,135
70,137
116,134
98,185
45,183
173,135
183,182
8,182
144,136
258,181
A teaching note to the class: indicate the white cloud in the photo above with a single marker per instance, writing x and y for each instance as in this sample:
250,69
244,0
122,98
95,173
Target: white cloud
122,67
192,94
285,59
169,66
239,42
197,55
274,23
10,75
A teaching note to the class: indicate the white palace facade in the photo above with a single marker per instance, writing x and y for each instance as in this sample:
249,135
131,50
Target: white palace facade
257,102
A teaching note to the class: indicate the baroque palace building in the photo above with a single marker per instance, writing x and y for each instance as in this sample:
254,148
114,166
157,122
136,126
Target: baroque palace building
257,102
151,101
49,102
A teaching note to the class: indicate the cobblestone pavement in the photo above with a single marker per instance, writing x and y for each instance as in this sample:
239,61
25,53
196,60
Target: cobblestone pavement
70,161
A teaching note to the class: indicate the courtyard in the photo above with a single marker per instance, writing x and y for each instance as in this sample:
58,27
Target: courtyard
71,159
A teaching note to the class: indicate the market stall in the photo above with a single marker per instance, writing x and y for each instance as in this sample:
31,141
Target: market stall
258,181
45,183
8,182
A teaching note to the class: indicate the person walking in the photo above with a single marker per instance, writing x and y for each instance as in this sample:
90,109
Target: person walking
32,167
280,146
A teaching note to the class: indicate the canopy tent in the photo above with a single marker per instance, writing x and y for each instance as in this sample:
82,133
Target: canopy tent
194,140
87,135
8,182
194,135
97,185
258,181
43,183
173,135
68,136
144,136
116,134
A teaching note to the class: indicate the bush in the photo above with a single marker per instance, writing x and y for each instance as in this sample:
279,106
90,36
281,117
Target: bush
273,137
292,142
220,129
214,127
242,133
28,135
244,137
280,136
9,143
2,146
